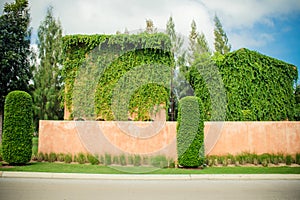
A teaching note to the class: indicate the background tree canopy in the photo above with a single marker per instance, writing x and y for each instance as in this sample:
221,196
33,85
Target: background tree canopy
14,49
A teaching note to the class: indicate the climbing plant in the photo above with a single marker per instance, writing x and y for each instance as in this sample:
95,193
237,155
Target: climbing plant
113,77
258,87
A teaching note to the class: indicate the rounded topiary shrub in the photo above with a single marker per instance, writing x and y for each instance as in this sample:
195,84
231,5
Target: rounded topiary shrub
17,128
190,132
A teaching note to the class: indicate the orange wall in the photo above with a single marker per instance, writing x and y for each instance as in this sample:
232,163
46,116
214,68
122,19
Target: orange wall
98,137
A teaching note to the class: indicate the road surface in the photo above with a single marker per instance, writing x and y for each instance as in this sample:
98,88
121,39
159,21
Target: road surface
67,189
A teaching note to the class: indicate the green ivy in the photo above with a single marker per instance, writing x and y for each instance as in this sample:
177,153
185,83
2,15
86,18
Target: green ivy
98,66
17,128
259,88
190,132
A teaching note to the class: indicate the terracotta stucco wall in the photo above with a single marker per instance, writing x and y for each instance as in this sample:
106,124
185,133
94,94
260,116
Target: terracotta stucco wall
149,138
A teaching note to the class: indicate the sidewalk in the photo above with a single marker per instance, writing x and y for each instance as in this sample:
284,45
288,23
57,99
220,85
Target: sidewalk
45,175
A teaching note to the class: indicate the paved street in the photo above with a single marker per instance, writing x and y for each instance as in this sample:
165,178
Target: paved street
36,188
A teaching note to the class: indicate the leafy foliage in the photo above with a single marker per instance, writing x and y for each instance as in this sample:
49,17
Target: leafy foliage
203,76
259,88
297,105
47,75
131,67
14,49
190,132
207,83
17,128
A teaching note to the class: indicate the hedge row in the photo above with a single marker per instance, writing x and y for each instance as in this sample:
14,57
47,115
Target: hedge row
254,159
107,159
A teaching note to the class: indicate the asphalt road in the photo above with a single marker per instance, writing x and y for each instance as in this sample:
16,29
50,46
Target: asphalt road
67,189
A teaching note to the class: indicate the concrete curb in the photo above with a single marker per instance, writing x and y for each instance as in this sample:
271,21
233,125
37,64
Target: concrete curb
44,175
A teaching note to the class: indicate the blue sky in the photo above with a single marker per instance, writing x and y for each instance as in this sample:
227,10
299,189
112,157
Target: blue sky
285,44
270,27
280,40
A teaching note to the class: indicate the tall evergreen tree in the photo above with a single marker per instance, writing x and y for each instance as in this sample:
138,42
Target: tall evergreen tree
192,42
198,45
14,50
180,88
221,41
202,45
201,69
47,77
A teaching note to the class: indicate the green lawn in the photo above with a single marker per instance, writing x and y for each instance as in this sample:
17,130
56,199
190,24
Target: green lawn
96,169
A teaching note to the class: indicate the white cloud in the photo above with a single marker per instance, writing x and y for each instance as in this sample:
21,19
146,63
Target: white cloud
250,39
245,13
109,16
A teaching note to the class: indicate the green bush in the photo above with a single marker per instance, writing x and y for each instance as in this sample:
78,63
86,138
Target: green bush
281,158
190,132
40,157
146,160
46,157
130,159
102,160
35,141
116,160
68,158
52,157
264,159
17,128
171,163
137,160
92,159
107,160
159,161
122,160
80,158
288,159
297,158
61,157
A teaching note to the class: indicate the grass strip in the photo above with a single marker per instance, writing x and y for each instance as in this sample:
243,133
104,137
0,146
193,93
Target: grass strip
97,169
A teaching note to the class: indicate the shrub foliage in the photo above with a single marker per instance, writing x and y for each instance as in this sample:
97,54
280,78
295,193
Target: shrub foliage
190,132
17,128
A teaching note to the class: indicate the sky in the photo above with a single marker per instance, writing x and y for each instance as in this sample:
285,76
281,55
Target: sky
271,27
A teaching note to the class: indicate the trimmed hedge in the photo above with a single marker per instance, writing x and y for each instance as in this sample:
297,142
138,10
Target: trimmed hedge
190,132
17,128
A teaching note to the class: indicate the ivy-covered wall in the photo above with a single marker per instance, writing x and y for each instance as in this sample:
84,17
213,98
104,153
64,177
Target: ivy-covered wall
116,77
258,87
